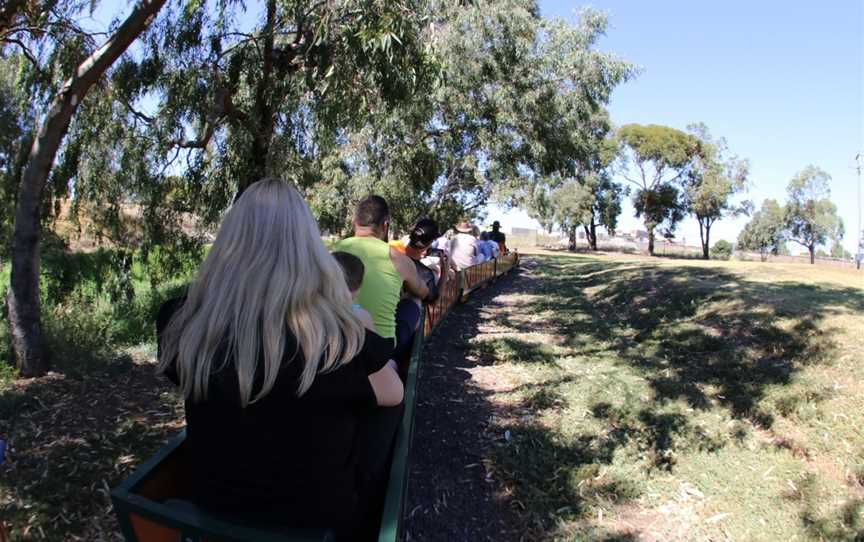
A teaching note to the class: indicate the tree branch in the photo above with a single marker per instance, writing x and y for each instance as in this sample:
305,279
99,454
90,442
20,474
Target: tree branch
25,50
203,139
137,114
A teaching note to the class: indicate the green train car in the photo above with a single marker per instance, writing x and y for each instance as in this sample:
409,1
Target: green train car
152,504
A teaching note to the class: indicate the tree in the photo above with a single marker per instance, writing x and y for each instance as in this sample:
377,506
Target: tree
837,250
572,204
436,105
520,99
811,217
15,132
662,158
588,202
235,102
23,295
712,182
764,233
722,249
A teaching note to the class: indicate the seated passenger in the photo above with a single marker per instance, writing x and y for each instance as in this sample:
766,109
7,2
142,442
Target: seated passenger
485,248
429,266
463,246
278,375
498,236
353,268
386,270
443,242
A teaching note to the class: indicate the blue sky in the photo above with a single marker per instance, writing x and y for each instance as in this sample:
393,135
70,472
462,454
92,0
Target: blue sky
783,82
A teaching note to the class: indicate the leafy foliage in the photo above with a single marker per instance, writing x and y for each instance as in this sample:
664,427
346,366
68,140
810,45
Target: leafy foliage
662,157
713,181
811,217
765,231
722,250
661,207
438,106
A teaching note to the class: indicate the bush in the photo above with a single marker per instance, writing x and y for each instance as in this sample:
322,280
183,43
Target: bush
722,250
96,302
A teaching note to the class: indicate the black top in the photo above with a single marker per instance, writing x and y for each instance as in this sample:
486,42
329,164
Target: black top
283,459
497,236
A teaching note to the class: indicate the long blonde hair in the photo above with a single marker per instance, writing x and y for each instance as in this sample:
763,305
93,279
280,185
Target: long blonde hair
267,273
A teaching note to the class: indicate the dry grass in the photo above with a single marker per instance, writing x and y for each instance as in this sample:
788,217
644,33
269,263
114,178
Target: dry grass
660,399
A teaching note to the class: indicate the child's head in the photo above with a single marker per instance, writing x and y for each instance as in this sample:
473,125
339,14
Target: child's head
353,268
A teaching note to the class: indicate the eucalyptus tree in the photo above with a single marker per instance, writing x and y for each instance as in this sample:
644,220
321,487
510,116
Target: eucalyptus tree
572,202
811,217
518,97
661,159
603,195
837,249
88,65
715,178
234,103
15,131
765,230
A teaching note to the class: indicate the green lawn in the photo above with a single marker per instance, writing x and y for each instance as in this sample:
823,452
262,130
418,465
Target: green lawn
657,399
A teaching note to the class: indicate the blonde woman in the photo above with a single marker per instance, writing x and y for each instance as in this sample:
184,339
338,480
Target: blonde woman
277,371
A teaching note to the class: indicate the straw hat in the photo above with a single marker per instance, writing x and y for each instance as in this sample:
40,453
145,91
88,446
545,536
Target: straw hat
465,227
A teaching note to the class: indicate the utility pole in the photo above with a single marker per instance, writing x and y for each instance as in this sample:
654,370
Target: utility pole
859,252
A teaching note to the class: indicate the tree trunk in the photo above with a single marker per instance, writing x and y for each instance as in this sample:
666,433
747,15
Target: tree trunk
23,295
572,246
264,119
812,249
704,232
591,235
650,240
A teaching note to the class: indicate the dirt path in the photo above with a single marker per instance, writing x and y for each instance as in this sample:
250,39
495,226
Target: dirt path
453,493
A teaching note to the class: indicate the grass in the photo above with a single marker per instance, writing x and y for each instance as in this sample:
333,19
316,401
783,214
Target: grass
668,399
641,399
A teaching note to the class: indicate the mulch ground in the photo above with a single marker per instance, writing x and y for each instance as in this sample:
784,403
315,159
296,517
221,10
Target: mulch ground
71,439
453,493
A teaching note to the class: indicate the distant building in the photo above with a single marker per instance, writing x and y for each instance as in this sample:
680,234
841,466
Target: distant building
636,235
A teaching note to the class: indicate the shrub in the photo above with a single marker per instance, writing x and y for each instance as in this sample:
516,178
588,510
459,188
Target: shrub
96,302
722,250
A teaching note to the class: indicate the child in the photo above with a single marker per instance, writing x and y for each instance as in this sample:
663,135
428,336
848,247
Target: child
353,268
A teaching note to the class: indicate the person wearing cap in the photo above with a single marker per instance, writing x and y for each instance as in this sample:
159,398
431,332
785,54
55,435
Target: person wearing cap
498,236
463,246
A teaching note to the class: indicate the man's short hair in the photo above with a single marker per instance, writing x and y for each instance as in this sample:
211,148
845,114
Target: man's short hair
353,268
372,212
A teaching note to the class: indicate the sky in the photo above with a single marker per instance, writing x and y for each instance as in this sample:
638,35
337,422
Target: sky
782,81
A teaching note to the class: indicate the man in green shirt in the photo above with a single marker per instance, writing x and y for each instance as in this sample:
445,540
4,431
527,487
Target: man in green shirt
386,271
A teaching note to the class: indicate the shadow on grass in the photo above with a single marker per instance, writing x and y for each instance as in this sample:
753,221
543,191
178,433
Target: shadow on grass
71,437
700,334
699,338
472,480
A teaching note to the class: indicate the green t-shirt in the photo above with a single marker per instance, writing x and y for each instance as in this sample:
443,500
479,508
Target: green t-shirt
382,284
